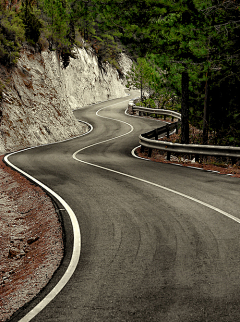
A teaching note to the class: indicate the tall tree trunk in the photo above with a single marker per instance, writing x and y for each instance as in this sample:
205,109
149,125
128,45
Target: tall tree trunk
205,116
185,108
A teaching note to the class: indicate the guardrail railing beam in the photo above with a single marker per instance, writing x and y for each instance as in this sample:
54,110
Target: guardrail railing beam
156,111
192,149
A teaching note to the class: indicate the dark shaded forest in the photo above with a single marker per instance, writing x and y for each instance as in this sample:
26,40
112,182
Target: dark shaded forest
185,53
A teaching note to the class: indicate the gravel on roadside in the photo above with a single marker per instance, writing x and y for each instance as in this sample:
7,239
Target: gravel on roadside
31,241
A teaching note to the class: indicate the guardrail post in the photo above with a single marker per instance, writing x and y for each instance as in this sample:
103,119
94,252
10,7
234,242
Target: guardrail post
234,160
168,155
177,128
164,117
167,128
156,134
196,157
149,152
172,118
142,149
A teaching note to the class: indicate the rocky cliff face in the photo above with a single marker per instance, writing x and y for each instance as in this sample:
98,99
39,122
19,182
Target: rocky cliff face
87,83
37,106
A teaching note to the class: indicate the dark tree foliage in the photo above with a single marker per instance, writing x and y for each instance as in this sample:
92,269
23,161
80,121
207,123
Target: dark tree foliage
31,22
195,43
197,38
11,36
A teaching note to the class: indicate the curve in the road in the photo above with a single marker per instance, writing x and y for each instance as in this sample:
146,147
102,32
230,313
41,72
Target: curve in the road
76,232
76,248
224,213
136,178
109,118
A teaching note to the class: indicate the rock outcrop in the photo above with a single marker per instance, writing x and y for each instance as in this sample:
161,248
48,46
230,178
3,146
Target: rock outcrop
37,106
88,83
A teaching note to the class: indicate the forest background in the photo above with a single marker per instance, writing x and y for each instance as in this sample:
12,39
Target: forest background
186,53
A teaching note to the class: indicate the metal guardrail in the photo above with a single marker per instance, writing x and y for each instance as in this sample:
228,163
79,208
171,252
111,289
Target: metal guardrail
146,140
162,130
193,149
157,111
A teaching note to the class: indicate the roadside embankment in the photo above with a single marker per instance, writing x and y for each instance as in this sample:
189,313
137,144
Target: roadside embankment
30,240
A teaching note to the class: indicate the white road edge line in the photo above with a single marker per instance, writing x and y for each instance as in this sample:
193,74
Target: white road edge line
191,167
75,255
143,180
176,164
109,118
76,232
156,120
136,156
159,186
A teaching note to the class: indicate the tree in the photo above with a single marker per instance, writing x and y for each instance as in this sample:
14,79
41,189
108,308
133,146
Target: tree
58,21
31,22
139,76
183,37
179,35
157,27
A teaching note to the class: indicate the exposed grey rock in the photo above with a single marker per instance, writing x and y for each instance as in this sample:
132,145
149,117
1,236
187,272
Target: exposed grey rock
125,63
37,108
87,83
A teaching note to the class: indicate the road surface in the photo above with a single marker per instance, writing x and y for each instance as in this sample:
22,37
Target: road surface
157,240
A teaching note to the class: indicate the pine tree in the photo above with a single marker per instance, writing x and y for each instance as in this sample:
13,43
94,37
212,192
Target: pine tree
58,21
140,76
32,23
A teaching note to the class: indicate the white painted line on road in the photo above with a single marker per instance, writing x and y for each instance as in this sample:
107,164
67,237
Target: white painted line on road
136,156
159,186
177,164
88,124
100,102
109,118
76,248
76,231
72,138
141,117
146,181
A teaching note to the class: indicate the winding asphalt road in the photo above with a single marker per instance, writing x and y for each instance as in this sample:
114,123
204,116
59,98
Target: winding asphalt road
158,241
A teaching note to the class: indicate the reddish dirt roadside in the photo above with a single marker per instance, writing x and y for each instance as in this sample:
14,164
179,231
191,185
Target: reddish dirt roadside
159,156
31,244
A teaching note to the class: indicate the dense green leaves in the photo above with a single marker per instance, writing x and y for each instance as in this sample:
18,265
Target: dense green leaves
192,38
32,24
140,76
11,36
